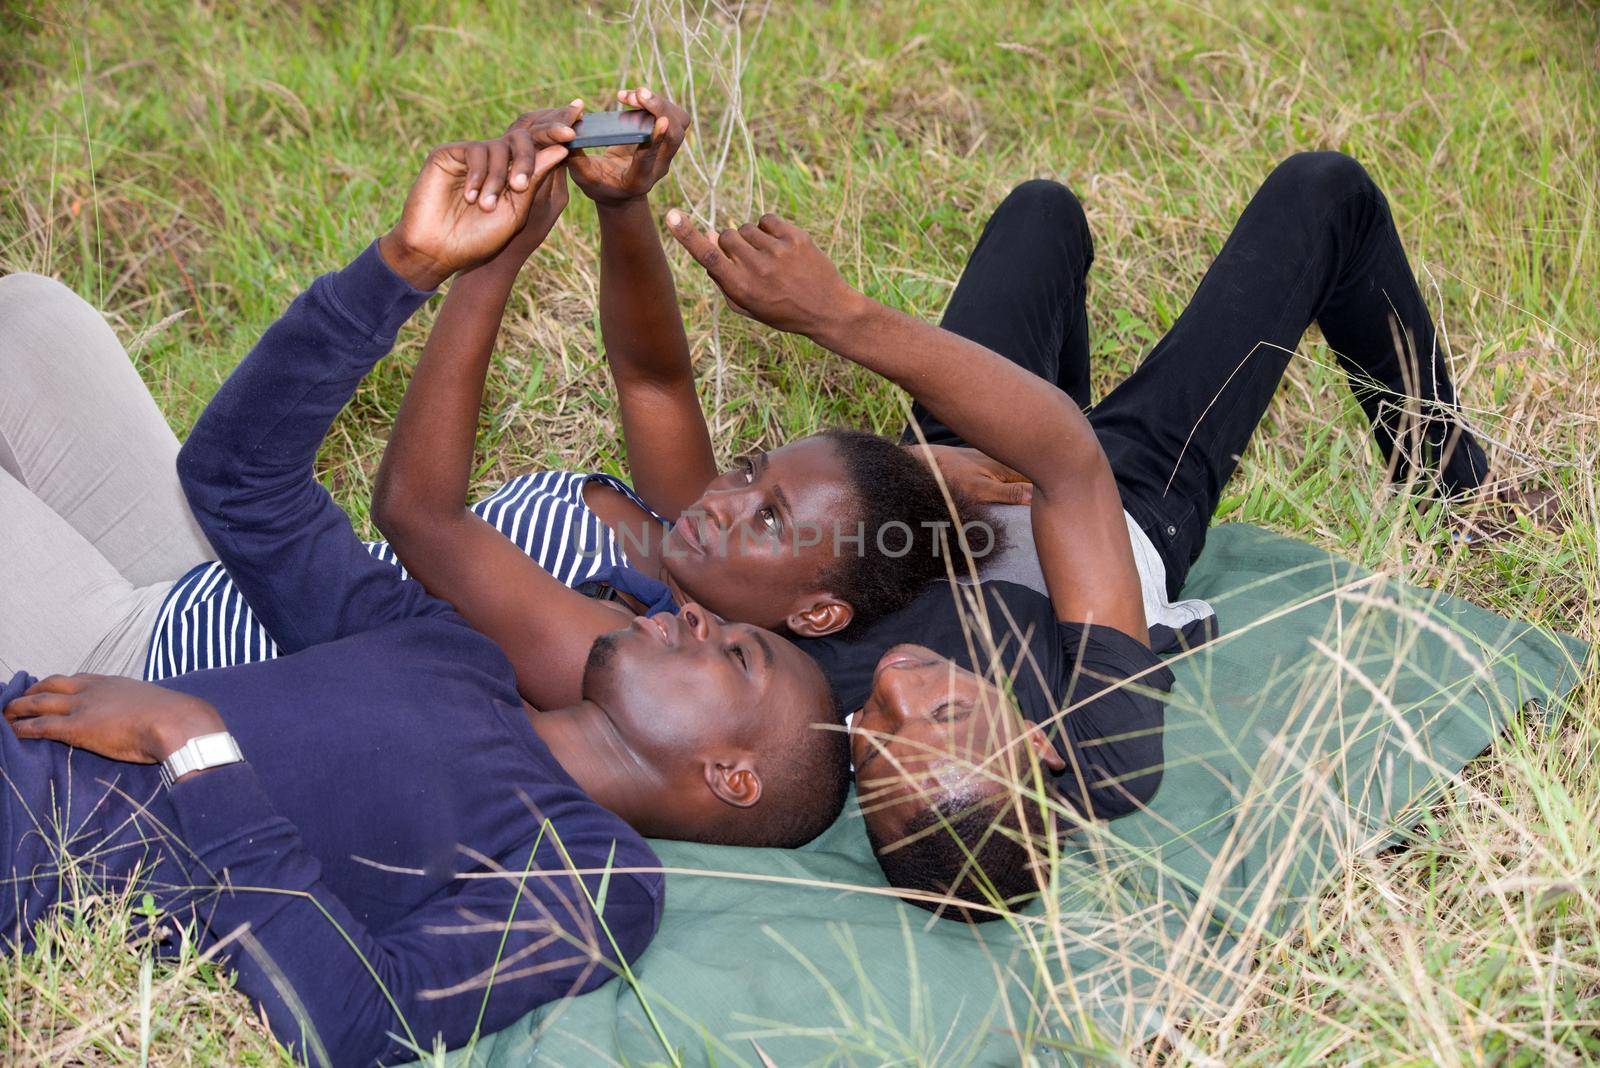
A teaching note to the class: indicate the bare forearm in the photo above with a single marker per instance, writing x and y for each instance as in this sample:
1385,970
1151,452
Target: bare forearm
998,407
427,464
1027,424
663,427
639,319
775,272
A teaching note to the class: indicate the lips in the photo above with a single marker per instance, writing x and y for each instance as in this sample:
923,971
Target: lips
654,626
689,534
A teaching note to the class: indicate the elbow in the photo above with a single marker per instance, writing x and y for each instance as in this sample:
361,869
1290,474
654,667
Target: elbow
385,512
395,511
1069,458
402,508
1130,782
205,473
632,917
397,520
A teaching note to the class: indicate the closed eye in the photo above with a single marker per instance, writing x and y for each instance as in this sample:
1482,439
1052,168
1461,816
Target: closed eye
951,711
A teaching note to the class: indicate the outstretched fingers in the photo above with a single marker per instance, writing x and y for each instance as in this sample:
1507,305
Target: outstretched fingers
757,238
778,227
63,683
701,247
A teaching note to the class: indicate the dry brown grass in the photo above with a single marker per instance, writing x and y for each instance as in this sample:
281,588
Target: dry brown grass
188,166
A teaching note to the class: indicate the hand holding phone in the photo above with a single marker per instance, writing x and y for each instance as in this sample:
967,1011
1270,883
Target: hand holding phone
627,170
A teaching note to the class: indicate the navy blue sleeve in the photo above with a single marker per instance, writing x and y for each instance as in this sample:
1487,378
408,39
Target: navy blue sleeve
509,934
1113,697
247,466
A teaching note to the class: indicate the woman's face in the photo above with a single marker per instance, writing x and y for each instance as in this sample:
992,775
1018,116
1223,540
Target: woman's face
928,727
756,544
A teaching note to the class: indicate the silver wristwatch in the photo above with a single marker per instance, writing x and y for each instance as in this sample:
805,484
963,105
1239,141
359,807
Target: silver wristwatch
199,753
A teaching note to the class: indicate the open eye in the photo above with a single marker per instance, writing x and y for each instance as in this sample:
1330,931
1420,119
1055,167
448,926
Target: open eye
748,467
768,519
738,654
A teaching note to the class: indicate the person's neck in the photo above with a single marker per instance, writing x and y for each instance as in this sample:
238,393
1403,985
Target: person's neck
643,537
649,553
586,743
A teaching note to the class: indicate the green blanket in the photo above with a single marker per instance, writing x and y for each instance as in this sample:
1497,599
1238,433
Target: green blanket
1334,704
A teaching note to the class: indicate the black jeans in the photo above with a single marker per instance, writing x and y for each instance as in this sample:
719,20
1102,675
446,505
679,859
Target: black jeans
1315,244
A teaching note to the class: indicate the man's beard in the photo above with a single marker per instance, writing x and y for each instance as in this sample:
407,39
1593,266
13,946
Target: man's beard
601,654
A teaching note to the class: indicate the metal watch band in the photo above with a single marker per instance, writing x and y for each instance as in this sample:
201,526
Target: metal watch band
198,753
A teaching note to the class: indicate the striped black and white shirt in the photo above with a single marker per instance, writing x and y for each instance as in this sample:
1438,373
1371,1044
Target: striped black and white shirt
205,623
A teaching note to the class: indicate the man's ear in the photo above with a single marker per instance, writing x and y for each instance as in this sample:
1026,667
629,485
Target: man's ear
826,615
734,784
1044,749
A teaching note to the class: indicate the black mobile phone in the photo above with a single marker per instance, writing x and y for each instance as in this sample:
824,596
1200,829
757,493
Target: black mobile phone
599,128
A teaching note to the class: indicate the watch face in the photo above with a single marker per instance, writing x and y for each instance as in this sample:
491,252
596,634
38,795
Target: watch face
200,753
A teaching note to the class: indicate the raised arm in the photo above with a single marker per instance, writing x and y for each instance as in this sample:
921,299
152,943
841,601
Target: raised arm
773,272
247,468
420,497
663,427
504,938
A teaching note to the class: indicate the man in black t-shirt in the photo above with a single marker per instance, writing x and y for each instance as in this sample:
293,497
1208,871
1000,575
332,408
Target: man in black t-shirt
1104,756
1009,698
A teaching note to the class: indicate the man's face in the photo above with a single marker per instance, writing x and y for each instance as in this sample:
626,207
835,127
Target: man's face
685,689
928,727
756,543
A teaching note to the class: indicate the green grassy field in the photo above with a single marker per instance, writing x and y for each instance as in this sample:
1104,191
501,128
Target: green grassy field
189,167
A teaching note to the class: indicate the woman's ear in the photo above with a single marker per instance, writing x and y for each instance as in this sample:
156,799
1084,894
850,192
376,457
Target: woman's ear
828,615
1045,749
734,784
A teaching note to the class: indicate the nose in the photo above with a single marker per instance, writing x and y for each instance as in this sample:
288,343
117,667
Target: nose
701,623
722,507
901,692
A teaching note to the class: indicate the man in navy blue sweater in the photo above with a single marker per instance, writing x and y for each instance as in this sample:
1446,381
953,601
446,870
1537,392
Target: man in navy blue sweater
384,841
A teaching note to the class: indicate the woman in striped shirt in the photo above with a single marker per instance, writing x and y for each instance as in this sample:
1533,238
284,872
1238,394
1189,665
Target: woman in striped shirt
204,621
760,543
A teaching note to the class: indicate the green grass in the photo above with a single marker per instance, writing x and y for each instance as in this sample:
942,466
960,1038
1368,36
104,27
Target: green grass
190,167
